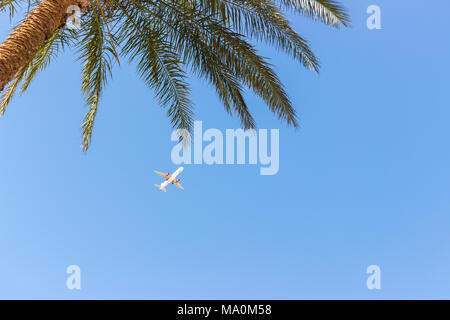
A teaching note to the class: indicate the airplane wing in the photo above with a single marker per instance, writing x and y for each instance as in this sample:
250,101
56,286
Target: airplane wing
179,185
163,175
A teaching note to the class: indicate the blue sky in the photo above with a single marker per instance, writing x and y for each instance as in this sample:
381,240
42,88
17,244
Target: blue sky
364,181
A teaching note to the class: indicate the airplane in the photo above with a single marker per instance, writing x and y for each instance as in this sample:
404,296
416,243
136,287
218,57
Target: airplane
170,178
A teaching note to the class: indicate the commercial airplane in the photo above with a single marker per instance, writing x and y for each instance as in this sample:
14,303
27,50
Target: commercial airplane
170,178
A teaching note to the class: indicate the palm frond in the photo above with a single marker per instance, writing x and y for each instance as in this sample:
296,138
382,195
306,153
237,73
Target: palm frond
159,67
10,6
329,12
262,20
96,52
11,90
237,56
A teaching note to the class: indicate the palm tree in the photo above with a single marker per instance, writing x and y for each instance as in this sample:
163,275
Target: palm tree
167,39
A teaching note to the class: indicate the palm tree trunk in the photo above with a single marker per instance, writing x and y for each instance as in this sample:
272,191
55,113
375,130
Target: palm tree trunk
30,35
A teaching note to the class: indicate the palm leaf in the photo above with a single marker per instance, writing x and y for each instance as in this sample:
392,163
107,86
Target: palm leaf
215,40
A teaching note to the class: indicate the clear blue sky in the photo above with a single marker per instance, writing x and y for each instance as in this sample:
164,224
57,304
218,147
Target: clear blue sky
366,180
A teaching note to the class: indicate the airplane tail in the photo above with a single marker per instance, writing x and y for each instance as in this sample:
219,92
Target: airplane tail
160,188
